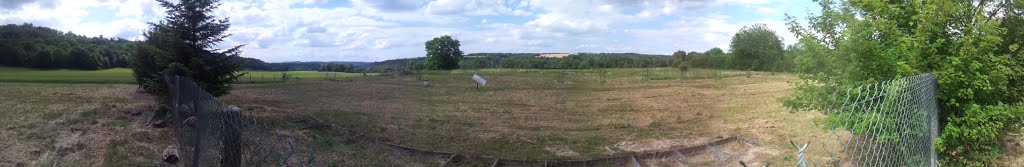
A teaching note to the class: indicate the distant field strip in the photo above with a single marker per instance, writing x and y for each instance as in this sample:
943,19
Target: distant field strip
124,76
117,75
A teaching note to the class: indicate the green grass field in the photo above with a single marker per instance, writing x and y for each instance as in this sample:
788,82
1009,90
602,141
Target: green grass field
124,76
26,75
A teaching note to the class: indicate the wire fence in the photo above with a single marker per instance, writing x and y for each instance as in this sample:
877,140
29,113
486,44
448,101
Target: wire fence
210,133
890,123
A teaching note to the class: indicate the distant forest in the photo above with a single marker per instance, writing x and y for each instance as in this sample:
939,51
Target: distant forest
339,66
27,45
31,46
532,61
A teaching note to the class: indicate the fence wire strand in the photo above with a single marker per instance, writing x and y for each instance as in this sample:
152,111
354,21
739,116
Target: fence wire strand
889,123
210,133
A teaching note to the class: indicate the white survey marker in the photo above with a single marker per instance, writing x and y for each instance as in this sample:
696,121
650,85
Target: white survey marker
479,80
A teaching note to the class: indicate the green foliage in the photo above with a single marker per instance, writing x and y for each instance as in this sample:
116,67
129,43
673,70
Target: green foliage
718,59
969,46
183,44
336,67
756,48
443,53
975,138
679,60
28,45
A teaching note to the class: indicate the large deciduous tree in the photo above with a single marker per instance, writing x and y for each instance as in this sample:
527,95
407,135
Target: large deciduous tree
756,48
184,44
443,53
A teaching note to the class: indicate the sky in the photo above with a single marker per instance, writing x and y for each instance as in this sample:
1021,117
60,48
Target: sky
377,30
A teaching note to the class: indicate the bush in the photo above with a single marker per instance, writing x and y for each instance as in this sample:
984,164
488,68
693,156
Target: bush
973,139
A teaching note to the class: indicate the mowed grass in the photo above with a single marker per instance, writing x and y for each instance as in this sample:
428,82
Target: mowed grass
519,114
124,76
540,114
77,125
117,75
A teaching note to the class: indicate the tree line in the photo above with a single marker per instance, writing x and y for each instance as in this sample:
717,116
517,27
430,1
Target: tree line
754,47
574,61
337,67
529,61
27,45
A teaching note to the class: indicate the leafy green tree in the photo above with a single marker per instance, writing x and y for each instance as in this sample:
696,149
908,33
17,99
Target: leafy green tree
967,45
756,48
680,60
679,55
183,44
718,58
443,53
83,59
43,58
1013,40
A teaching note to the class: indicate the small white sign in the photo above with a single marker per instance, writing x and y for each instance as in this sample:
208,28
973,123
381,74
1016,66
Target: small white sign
479,80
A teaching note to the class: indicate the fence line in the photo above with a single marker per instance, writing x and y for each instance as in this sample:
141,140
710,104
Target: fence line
210,133
889,123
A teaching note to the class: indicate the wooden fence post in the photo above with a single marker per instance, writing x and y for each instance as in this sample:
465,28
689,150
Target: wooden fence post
231,137
198,151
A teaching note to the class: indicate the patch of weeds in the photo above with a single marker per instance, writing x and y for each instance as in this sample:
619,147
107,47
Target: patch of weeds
586,128
116,155
52,115
142,137
466,123
619,125
655,125
436,119
86,117
679,119
515,147
117,123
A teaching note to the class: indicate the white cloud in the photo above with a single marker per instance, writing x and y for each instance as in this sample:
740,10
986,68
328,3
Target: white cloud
374,30
389,5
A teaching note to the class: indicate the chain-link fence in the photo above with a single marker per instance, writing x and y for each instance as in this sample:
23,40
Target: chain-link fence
890,123
210,133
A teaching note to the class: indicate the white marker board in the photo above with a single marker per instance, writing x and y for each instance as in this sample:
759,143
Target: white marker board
479,80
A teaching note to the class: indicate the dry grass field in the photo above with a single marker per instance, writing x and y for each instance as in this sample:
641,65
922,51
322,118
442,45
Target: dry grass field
76,125
554,115
519,114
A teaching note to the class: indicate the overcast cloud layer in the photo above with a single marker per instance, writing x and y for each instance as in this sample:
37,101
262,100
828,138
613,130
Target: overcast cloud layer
376,30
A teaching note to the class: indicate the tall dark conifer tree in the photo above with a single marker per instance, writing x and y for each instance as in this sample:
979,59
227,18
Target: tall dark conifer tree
184,44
